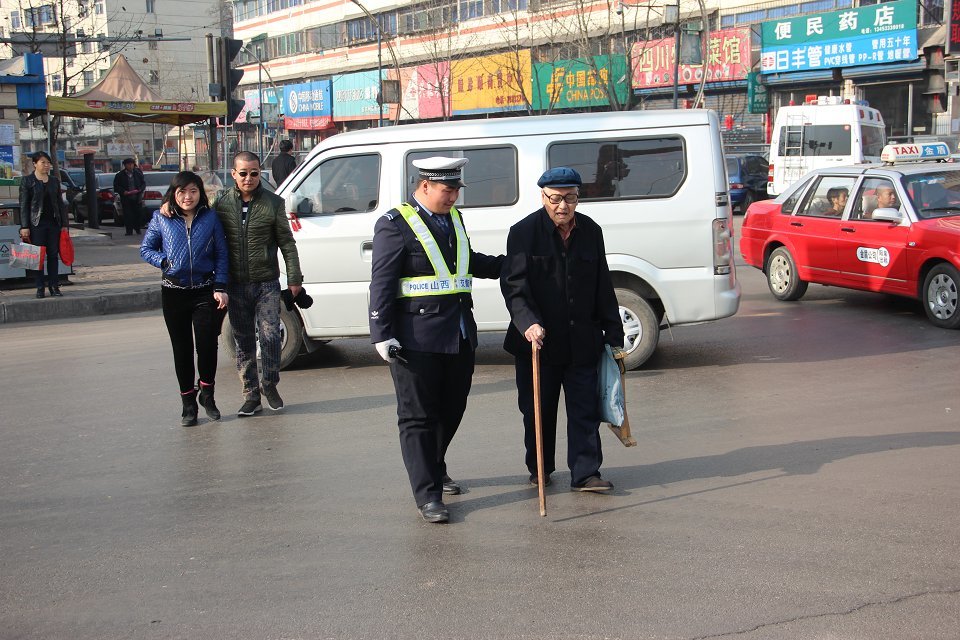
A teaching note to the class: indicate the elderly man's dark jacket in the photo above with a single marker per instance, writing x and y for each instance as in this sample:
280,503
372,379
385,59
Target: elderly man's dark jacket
568,291
428,323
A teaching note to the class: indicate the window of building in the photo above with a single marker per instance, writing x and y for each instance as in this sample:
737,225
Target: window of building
98,8
154,77
502,6
150,6
637,168
361,30
14,20
338,185
87,79
153,45
56,83
426,18
39,16
492,169
471,9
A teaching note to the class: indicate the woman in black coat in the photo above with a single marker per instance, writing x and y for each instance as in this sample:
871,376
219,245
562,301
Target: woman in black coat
42,215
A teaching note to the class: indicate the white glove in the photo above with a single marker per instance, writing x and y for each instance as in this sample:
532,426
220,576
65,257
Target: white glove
383,348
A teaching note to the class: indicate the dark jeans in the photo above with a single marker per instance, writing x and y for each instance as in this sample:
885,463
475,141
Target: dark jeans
191,313
432,391
255,315
579,384
132,214
47,234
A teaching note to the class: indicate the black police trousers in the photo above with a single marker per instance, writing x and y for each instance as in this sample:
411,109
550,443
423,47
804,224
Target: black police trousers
432,391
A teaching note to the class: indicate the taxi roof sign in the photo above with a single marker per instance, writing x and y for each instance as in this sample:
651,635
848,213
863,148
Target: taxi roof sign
937,151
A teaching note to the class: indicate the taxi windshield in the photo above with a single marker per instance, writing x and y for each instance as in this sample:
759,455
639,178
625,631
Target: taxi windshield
935,194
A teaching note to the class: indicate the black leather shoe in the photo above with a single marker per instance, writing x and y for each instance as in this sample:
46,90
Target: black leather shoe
41,293
55,292
451,487
594,484
534,483
434,511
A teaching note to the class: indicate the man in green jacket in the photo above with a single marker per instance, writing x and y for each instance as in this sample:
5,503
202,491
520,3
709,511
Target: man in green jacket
255,223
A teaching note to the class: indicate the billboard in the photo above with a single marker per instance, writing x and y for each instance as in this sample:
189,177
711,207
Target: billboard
581,82
726,55
306,106
499,82
874,34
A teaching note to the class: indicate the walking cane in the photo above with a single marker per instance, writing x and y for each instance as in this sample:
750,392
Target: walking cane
538,427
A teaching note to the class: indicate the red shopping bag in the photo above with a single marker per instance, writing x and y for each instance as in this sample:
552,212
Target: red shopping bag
66,247
27,256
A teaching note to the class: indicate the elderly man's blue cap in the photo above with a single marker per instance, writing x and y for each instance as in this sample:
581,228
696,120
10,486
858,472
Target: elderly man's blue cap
559,177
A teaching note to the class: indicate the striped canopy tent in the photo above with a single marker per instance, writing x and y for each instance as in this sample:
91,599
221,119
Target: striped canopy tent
122,96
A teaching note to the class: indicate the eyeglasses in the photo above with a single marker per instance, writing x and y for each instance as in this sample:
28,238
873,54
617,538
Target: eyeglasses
244,174
556,198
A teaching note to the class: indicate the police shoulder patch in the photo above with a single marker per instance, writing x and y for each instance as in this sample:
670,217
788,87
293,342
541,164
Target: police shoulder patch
390,215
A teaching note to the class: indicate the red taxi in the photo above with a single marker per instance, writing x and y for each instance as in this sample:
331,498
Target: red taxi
892,228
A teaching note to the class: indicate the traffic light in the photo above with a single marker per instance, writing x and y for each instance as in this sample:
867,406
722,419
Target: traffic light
229,77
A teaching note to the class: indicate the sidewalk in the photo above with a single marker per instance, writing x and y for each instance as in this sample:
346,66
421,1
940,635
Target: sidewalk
109,277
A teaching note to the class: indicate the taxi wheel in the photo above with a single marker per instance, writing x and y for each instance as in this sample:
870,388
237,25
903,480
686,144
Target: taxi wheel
641,329
782,276
291,338
940,296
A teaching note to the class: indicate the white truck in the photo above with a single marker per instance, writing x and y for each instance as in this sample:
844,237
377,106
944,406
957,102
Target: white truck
825,131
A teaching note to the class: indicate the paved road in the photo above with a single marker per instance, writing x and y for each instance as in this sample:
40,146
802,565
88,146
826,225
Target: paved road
796,478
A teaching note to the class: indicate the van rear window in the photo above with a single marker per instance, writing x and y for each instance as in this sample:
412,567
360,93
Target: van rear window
816,140
490,176
638,168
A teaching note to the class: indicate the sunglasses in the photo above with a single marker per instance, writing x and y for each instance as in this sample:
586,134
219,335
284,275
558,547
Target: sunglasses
244,174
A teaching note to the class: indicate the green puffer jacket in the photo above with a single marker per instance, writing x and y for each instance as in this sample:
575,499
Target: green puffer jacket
253,247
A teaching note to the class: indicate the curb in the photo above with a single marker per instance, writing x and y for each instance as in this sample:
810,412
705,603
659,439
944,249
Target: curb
78,306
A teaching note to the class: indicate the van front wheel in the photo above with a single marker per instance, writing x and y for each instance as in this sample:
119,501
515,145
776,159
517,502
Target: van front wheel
291,338
641,329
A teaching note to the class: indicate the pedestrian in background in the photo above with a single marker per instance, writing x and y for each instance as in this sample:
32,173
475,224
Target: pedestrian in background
558,290
42,216
284,164
190,249
130,185
256,226
421,305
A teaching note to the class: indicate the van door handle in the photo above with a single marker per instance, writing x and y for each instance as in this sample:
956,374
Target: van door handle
366,250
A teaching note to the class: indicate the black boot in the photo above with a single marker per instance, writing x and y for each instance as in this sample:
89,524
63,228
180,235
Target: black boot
207,402
189,416
41,293
55,291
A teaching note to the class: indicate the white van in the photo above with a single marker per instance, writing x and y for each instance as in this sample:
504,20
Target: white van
823,132
654,180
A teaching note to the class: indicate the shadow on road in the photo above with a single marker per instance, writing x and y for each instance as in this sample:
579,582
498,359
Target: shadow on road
794,458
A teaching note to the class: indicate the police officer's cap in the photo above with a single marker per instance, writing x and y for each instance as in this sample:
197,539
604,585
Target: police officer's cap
559,177
447,171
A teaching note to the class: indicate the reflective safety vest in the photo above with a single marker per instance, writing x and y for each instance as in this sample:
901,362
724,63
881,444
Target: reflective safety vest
442,282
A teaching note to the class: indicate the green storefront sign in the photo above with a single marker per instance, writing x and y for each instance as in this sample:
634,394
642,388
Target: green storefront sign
582,82
757,97
873,20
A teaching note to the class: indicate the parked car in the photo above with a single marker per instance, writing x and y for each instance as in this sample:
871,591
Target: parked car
890,228
69,188
105,196
157,184
747,175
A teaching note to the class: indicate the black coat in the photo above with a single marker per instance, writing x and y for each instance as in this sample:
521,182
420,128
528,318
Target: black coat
567,291
31,200
120,184
428,323
281,167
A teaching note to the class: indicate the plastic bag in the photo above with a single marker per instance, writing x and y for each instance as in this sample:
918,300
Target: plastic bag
612,403
27,256
66,247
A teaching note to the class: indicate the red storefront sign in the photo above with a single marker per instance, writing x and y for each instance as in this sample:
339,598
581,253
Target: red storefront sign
726,53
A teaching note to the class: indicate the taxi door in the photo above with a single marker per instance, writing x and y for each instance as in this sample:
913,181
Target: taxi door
872,253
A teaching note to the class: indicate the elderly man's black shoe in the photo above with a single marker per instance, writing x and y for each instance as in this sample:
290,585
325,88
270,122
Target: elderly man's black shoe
434,511
451,487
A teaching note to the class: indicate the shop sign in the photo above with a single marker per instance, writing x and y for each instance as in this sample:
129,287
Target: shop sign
876,34
425,88
118,149
306,106
726,53
953,22
757,98
581,82
494,83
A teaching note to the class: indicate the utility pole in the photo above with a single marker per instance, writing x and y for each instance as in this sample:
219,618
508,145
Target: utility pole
214,93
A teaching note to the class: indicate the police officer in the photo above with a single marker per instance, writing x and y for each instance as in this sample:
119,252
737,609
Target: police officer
421,321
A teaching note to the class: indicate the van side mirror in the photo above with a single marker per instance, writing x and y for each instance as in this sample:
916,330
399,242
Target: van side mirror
299,204
887,215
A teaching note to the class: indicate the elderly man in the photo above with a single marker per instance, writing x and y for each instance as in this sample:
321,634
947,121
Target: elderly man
421,321
559,293
130,185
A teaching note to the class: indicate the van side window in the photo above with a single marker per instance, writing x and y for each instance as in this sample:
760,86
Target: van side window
815,140
490,176
338,185
640,168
